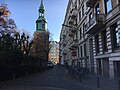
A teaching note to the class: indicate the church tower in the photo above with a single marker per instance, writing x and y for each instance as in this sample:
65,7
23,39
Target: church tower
41,22
40,47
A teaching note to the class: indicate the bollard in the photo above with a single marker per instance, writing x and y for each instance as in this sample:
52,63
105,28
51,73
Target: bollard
98,81
118,84
26,74
13,76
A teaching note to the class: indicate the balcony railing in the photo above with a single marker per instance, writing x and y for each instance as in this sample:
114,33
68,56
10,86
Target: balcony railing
74,44
64,52
74,13
64,44
64,36
70,34
73,30
97,22
91,3
70,21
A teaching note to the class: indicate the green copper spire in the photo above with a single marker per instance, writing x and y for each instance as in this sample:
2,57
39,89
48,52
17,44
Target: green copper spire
42,8
41,22
41,2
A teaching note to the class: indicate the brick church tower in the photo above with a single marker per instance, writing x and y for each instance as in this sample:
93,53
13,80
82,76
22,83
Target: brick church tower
40,47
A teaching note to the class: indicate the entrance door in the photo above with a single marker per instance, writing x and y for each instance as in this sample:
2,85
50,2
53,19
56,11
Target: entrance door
105,62
91,55
99,70
118,68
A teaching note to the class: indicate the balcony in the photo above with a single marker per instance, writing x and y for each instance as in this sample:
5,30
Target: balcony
96,23
64,44
64,36
60,54
74,44
70,34
91,3
73,15
70,21
73,30
64,52
71,48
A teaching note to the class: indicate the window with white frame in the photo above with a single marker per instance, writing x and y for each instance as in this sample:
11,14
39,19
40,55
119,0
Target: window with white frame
108,6
115,36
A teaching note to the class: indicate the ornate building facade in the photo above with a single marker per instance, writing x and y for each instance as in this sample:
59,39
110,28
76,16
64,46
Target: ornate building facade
54,52
90,36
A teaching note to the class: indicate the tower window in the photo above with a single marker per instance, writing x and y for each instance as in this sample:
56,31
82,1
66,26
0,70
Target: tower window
43,25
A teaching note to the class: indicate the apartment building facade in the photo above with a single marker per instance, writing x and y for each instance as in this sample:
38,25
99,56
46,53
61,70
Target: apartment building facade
91,33
54,52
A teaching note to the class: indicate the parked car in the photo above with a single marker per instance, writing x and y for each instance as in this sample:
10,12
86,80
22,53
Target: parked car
50,64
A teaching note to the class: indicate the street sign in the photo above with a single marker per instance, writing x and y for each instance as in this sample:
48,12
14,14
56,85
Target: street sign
74,53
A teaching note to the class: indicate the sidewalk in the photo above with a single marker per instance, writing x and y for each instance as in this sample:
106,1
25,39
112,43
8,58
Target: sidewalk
104,83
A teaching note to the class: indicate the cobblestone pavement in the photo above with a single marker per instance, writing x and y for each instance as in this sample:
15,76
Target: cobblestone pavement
53,79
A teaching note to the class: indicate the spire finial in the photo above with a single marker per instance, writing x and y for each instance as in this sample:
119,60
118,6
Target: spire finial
41,2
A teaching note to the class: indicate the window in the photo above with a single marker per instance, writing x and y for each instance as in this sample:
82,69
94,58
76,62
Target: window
104,40
76,21
83,11
79,2
80,34
79,15
90,16
97,8
38,25
43,25
108,5
76,36
97,44
84,49
83,29
115,36
81,51
78,52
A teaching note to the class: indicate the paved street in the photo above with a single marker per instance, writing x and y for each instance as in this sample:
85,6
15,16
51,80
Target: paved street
53,79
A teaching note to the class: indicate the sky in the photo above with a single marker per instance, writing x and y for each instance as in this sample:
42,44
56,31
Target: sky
25,14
